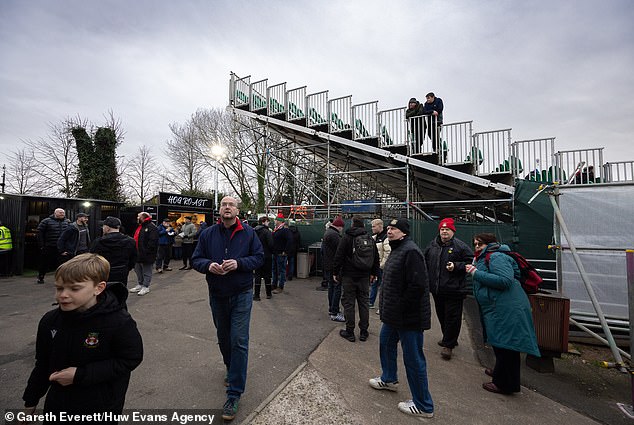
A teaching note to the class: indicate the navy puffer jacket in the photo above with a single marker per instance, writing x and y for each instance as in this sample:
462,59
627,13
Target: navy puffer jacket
404,301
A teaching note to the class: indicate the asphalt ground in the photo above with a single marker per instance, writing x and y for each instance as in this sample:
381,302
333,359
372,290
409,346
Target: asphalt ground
300,370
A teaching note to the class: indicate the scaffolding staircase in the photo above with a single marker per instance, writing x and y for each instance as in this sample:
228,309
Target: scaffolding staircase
464,166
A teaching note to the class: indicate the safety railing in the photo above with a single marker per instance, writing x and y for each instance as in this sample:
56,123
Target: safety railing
296,104
364,117
277,99
491,152
240,90
581,166
422,131
258,95
457,142
535,158
620,171
317,107
340,114
392,131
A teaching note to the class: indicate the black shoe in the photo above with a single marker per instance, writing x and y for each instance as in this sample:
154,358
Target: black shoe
347,335
40,280
256,298
183,268
269,296
363,336
188,268
321,288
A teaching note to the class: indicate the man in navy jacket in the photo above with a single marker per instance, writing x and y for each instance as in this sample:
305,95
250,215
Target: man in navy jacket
228,253
433,107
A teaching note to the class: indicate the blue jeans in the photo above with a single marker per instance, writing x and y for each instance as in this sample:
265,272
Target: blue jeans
413,358
231,316
291,267
279,271
374,287
334,294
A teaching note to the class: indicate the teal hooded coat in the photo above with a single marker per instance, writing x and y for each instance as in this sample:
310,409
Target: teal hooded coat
504,307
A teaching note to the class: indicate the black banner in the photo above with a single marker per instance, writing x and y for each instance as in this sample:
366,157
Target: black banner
184,201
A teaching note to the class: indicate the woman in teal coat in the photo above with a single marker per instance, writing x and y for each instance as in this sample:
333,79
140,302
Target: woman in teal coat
505,312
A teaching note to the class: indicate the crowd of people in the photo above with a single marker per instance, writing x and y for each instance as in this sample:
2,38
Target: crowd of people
385,270
402,276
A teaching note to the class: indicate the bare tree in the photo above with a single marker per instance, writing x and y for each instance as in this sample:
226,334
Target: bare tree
188,170
115,125
55,157
141,175
23,176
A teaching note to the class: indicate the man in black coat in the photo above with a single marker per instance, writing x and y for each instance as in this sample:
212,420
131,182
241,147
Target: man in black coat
329,244
117,248
292,254
75,239
406,314
146,237
413,114
266,238
282,245
355,280
446,258
48,232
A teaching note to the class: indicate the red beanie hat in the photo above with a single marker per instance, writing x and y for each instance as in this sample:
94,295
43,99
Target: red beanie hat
447,223
280,217
338,222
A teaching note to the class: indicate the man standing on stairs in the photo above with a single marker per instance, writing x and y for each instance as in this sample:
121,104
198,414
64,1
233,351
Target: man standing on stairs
416,127
433,109
446,258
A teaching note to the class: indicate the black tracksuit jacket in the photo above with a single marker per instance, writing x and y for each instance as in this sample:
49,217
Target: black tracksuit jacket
103,343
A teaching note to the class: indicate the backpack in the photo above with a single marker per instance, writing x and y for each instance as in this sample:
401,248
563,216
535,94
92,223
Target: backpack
529,278
363,252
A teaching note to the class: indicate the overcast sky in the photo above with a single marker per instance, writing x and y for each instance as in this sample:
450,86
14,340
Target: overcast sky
543,68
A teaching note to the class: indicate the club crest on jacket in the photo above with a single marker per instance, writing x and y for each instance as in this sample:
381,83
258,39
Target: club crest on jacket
92,340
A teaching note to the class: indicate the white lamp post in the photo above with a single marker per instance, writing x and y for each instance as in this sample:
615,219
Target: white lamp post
218,153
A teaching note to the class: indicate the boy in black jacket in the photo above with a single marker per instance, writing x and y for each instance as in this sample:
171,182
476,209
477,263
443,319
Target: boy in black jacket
85,348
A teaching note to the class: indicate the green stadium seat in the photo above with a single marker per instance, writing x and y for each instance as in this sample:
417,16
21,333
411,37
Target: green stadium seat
475,153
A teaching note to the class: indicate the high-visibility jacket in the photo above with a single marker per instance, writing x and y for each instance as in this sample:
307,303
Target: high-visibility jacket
6,243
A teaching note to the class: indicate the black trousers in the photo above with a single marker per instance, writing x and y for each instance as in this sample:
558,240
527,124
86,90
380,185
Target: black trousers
5,262
506,374
263,272
188,250
356,289
49,260
163,256
449,313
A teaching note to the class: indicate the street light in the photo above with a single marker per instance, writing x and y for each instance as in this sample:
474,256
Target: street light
218,153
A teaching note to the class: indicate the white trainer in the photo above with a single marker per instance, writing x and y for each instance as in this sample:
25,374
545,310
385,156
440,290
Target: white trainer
409,408
338,318
143,291
136,288
378,384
